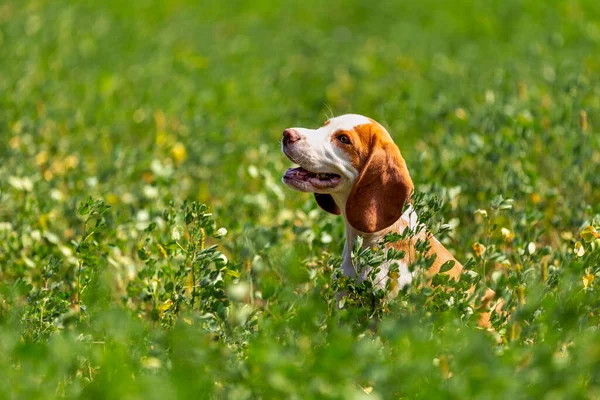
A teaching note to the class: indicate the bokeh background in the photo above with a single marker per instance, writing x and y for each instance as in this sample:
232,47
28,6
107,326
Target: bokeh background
142,105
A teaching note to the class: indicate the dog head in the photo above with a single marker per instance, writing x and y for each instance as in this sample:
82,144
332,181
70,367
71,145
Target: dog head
353,167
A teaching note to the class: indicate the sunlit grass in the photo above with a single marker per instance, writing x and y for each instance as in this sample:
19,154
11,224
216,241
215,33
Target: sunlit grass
118,121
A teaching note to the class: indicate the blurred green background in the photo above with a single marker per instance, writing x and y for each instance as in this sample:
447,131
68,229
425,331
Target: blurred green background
142,105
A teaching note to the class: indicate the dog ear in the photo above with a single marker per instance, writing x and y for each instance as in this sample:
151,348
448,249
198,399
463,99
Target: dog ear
326,202
381,190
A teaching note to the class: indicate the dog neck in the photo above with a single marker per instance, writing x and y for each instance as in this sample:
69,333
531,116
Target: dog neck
407,220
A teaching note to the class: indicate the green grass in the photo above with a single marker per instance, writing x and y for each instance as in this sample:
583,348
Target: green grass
119,119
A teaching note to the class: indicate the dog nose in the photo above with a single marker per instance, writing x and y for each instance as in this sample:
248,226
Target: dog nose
290,136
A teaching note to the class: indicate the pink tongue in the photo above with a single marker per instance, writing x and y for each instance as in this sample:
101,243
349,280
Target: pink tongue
302,172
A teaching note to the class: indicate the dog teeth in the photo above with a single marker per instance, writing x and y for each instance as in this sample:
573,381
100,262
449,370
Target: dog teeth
318,175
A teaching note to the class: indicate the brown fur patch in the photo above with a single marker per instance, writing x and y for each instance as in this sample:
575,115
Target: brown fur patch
442,255
362,139
383,186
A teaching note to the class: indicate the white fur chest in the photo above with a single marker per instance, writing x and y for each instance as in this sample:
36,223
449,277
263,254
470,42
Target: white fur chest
350,270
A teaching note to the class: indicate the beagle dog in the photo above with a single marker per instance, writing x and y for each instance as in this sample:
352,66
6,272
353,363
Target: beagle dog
355,169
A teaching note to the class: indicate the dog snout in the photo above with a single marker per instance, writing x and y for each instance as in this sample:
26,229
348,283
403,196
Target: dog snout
290,136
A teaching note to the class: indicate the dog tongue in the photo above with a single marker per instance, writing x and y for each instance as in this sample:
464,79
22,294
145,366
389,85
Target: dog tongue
298,171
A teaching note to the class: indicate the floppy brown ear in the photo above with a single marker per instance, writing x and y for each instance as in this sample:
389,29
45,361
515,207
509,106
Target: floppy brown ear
326,202
381,190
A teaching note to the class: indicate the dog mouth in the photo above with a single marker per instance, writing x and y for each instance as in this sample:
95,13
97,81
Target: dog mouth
300,177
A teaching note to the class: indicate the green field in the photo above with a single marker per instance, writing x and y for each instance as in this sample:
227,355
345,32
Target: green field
149,250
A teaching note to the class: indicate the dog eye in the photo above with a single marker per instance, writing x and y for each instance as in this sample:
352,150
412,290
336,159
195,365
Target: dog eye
344,139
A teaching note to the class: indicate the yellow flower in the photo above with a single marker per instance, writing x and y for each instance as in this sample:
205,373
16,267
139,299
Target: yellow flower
587,280
178,152
460,114
112,199
71,161
151,363
445,367
583,122
507,235
189,285
367,389
393,275
589,234
41,158
478,248
164,307
161,250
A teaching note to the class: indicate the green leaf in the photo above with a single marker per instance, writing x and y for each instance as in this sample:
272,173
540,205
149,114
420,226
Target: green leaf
143,254
150,227
21,287
232,273
506,204
447,266
84,207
